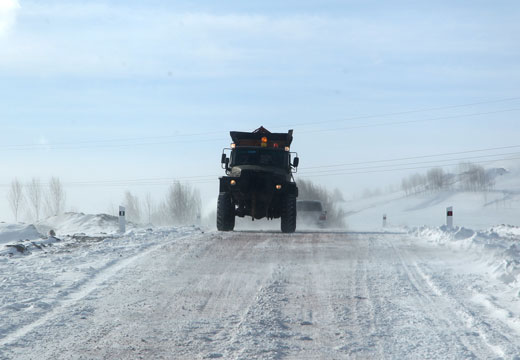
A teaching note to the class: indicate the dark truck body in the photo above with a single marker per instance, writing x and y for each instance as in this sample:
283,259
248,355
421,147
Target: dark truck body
258,181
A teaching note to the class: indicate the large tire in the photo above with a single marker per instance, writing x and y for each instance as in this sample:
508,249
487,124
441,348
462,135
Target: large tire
288,223
225,212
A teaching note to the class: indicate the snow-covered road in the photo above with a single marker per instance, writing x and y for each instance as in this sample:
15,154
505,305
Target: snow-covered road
247,295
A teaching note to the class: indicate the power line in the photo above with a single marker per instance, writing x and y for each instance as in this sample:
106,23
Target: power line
114,140
170,179
332,172
145,141
72,146
405,112
326,172
416,157
205,179
200,179
401,169
410,121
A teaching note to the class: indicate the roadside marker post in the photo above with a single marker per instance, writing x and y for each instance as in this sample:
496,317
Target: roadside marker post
122,220
384,220
449,217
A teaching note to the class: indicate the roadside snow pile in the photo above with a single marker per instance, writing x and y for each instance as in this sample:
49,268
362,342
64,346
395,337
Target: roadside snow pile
507,231
498,246
21,238
10,233
74,223
70,230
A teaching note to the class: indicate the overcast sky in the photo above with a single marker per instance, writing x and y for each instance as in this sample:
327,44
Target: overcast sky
102,92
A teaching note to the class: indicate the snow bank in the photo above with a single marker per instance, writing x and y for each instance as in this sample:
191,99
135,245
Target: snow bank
498,246
75,223
10,233
72,228
16,239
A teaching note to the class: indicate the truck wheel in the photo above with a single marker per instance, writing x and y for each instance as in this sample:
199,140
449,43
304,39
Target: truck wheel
225,212
289,213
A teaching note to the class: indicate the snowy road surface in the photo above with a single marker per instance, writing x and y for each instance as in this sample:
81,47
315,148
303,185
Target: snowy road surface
247,295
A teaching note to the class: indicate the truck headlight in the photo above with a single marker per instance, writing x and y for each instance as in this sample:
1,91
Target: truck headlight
278,187
233,182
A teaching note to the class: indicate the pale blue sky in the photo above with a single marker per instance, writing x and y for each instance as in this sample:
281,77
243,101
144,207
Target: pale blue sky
82,72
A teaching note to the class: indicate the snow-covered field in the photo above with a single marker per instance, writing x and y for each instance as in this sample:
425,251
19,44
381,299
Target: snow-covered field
475,210
182,293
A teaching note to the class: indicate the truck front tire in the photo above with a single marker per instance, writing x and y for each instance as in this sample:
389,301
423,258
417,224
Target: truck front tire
288,223
225,212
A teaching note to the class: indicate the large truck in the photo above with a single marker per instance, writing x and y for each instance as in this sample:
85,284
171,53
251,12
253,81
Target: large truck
259,179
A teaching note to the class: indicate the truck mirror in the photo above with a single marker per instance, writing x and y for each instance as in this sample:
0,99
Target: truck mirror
223,158
296,161
227,163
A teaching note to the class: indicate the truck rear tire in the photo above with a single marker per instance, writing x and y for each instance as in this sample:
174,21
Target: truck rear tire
288,223
225,212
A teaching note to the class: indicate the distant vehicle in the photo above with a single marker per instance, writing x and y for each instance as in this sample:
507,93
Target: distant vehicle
258,181
310,212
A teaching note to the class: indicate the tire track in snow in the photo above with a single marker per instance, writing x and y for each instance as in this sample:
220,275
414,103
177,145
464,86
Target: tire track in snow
262,329
493,332
80,292
245,295
449,313
365,333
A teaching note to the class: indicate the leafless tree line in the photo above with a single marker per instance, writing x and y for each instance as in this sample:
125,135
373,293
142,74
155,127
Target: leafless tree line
36,198
475,178
181,206
469,177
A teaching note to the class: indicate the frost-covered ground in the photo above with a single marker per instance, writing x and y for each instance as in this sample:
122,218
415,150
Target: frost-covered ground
41,275
182,293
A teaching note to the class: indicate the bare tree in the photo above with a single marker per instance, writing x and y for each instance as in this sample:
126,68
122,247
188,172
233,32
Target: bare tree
436,179
15,197
474,177
55,199
149,206
161,214
133,210
183,203
405,186
34,195
419,182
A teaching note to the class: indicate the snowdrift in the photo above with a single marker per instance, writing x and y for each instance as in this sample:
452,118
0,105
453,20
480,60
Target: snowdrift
10,233
498,246
21,238
79,223
70,228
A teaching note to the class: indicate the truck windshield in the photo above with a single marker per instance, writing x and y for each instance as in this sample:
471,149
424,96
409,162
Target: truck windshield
266,157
